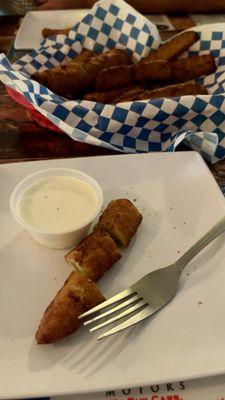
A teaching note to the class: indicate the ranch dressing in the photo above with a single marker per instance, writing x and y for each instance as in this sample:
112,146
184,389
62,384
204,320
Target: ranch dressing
57,204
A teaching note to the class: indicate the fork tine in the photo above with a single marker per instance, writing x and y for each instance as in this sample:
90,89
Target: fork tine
119,296
112,310
135,307
129,322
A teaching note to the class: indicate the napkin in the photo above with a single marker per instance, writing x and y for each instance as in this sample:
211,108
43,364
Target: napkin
132,127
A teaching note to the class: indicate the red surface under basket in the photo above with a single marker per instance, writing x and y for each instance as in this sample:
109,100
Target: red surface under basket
34,114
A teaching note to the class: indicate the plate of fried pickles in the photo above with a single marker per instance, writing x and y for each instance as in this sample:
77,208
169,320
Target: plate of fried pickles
149,219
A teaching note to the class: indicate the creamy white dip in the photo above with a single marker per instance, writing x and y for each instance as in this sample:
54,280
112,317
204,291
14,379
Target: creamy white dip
57,204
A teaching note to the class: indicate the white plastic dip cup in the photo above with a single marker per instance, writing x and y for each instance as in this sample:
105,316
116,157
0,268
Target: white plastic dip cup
64,239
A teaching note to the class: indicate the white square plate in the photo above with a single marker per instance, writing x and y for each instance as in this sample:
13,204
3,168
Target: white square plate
29,35
180,201
30,38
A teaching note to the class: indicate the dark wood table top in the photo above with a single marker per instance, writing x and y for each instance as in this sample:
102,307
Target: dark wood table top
21,139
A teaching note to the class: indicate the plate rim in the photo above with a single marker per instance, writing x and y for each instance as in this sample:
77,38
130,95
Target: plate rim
29,15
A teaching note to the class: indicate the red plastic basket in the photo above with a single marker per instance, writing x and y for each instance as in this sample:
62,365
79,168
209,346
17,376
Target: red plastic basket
34,114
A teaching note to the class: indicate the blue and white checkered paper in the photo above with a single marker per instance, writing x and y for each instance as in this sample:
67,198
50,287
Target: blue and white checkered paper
132,127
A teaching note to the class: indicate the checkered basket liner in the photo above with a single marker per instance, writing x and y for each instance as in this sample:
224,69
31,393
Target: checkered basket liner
131,127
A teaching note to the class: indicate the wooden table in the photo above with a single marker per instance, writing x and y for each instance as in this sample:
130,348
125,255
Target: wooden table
23,140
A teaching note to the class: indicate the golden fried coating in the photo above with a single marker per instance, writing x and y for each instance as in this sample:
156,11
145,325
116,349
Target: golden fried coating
110,96
49,32
94,255
60,319
121,220
74,77
174,47
85,55
121,75
113,77
43,77
153,71
191,68
130,95
177,90
104,97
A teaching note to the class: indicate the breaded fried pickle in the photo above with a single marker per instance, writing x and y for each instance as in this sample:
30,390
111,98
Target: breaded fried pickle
74,77
121,220
174,47
85,55
191,68
94,255
60,319
177,90
111,95
42,77
113,77
131,95
156,71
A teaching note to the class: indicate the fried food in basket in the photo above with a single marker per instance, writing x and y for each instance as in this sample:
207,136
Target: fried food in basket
130,95
110,96
46,32
60,319
114,77
94,255
73,78
117,76
153,71
85,55
191,68
121,220
177,90
43,77
174,47
111,76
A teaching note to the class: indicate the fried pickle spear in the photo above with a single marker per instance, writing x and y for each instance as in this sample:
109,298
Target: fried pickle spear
177,90
186,69
60,319
113,77
153,71
85,55
42,77
46,32
94,255
73,78
121,75
110,96
157,70
174,47
130,95
121,220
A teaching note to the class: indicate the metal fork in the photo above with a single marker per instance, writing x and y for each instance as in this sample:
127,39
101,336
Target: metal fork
148,295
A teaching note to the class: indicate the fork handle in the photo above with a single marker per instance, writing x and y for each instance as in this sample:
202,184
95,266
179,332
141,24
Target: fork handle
212,234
